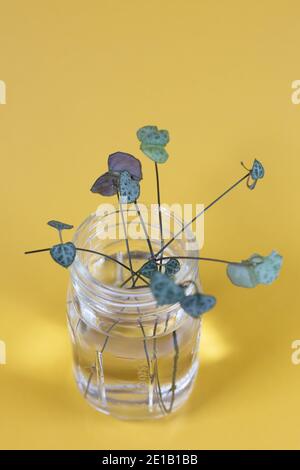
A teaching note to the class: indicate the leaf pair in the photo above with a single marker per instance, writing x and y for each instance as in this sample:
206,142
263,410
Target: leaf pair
63,253
255,270
125,172
165,291
150,267
153,142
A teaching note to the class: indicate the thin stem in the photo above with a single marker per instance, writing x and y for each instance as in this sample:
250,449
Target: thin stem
93,368
167,322
96,253
36,251
126,237
193,220
201,213
176,357
60,236
201,258
144,229
159,212
86,250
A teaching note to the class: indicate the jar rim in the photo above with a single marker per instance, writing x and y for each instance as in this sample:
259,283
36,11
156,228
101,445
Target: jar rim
100,289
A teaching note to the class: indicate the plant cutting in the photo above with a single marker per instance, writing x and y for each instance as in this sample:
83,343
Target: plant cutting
157,298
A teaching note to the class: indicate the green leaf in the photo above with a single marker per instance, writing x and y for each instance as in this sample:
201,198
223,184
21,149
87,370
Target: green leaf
59,225
157,153
129,189
63,254
197,304
148,269
172,267
164,290
255,270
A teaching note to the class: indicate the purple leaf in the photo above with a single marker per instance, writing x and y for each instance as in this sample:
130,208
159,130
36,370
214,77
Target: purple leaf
106,185
120,161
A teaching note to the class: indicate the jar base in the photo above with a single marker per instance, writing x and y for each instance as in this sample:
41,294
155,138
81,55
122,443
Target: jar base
128,402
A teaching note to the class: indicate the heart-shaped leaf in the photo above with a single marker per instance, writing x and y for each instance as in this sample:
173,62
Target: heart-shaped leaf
164,290
257,170
255,270
157,153
59,225
143,132
241,275
267,271
197,304
153,136
148,269
129,189
64,253
106,185
153,142
120,161
172,267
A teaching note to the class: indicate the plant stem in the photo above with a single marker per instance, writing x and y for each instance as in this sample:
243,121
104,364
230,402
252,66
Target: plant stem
159,212
96,253
193,220
36,251
126,238
201,258
144,229
201,213
174,373
102,351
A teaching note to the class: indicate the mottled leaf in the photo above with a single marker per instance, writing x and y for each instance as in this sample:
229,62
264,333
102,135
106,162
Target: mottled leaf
106,185
257,170
267,271
197,304
64,253
59,225
155,137
164,290
153,142
157,153
120,161
129,189
255,270
143,132
148,269
172,267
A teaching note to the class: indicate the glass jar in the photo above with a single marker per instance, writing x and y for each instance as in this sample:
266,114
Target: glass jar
132,359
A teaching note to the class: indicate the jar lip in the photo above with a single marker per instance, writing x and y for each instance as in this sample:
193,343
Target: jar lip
100,289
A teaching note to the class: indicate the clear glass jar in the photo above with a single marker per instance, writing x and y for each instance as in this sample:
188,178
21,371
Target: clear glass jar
132,359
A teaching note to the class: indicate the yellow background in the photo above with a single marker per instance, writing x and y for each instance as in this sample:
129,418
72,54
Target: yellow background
81,78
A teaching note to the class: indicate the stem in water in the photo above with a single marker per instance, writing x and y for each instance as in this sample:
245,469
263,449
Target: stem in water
93,368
